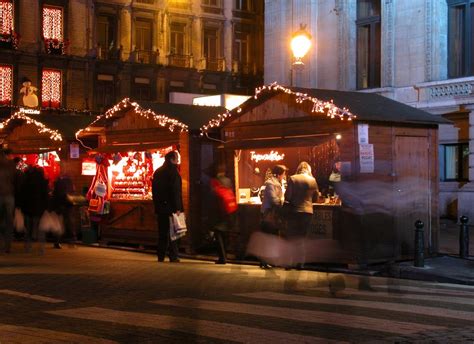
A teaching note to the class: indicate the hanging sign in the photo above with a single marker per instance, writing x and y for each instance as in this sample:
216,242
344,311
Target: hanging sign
363,133
74,151
366,154
272,156
89,167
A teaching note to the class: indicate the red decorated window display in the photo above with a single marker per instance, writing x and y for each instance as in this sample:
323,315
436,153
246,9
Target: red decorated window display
6,17
51,88
49,161
128,175
6,81
53,22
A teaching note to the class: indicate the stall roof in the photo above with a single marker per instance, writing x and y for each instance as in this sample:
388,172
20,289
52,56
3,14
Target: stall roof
65,124
365,106
194,116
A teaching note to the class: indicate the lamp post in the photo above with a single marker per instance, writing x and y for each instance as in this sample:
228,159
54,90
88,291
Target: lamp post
300,45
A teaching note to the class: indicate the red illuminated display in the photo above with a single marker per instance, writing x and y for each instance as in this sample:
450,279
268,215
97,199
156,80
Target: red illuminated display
6,78
51,88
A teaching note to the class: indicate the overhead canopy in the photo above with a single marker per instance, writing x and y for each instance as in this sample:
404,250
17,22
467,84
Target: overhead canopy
358,106
30,133
176,117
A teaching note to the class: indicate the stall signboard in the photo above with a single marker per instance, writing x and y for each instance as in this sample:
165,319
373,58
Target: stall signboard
366,154
363,130
74,151
89,167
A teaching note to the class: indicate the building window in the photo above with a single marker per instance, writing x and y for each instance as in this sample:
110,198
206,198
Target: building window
6,82
106,41
51,88
460,38
211,48
105,91
53,25
368,43
454,162
178,38
6,17
141,89
143,34
243,5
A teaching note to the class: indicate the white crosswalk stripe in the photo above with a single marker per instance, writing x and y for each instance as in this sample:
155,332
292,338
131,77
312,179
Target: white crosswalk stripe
397,307
30,296
206,328
320,317
33,335
425,290
433,298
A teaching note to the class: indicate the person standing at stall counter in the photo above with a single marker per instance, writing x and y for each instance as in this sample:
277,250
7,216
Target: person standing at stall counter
167,198
302,190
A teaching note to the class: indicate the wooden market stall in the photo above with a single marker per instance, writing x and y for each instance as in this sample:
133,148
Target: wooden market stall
386,158
46,138
132,141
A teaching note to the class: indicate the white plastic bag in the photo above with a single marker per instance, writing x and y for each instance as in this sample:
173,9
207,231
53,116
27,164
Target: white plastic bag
51,222
19,221
177,226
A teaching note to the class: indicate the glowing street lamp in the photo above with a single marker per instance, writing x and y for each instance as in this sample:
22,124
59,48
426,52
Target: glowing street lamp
300,44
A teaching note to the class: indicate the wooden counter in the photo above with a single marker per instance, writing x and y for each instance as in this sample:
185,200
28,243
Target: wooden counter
130,221
325,224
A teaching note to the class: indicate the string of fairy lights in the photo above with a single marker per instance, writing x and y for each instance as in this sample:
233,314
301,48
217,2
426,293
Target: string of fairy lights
319,106
6,80
6,13
52,23
51,88
42,129
162,120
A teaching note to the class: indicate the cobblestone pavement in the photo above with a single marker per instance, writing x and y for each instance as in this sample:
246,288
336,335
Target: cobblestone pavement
96,295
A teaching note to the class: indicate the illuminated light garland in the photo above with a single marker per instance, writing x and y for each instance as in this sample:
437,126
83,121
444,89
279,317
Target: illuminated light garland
319,106
53,134
53,31
6,80
162,120
53,23
51,88
6,13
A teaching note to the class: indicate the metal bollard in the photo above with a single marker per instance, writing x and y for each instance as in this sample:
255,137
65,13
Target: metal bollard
464,237
419,244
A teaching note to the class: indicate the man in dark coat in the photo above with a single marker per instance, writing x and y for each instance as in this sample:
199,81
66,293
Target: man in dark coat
7,201
167,198
35,202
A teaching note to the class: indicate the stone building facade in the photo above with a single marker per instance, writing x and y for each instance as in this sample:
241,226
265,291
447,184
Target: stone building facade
417,52
90,54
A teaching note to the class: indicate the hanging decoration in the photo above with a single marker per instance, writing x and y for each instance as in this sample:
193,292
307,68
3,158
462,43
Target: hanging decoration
51,88
319,106
53,31
6,15
6,80
29,97
164,121
53,134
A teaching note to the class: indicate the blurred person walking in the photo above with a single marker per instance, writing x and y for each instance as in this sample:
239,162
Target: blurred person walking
34,202
7,200
167,199
222,208
61,204
302,190
273,198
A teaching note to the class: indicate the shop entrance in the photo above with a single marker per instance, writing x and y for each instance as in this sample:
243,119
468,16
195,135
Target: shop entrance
412,189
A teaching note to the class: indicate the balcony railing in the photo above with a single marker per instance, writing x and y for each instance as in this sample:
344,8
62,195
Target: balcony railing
244,68
176,60
445,90
109,54
216,65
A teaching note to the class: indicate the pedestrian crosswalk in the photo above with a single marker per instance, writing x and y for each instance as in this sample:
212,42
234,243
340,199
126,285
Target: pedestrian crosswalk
312,315
330,318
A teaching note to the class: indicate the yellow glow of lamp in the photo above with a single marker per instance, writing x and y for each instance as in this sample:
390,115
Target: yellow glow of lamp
300,44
